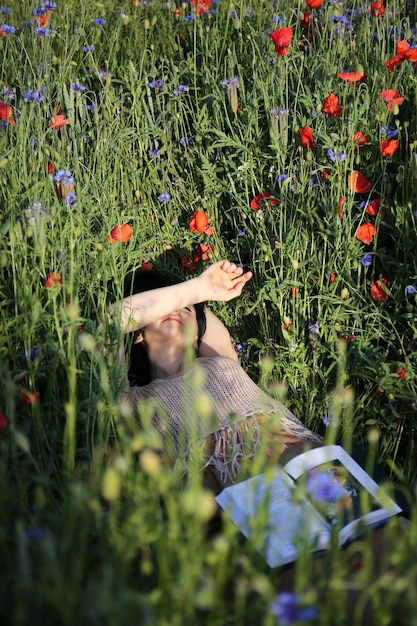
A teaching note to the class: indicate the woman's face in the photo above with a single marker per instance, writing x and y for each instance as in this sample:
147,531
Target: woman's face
179,328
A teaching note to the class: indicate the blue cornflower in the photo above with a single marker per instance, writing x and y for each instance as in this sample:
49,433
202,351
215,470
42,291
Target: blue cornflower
186,141
4,11
89,48
242,233
31,355
38,12
281,177
323,488
180,90
287,608
156,84
7,30
35,96
100,21
64,177
35,534
314,329
411,290
164,197
70,199
278,20
154,153
330,419
77,87
337,156
189,18
230,83
91,106
277,113
49,6
390,133
242,349
8,94
103,75
41,31
367,260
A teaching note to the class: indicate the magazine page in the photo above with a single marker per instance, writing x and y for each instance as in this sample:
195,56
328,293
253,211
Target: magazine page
284,522
361,500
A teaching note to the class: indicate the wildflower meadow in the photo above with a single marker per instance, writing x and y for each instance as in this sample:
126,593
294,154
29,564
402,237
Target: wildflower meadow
168,135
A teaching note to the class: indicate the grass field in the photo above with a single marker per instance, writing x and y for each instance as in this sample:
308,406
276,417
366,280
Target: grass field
176,134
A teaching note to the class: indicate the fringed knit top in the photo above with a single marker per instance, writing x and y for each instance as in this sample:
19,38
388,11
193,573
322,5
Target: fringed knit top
215,397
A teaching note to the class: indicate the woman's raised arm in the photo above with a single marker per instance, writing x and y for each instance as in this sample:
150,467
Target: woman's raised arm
220,282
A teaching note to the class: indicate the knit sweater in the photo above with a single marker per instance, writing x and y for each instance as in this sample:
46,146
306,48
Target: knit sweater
215,396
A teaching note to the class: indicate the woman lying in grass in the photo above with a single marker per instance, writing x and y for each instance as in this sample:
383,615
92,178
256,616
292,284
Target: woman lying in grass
236,418
235,410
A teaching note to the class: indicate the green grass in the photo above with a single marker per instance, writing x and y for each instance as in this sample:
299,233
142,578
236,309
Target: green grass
142,553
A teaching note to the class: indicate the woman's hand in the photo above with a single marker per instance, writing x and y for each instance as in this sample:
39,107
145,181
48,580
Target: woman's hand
222,281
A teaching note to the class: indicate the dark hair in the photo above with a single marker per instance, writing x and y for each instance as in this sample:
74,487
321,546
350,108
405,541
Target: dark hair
139,372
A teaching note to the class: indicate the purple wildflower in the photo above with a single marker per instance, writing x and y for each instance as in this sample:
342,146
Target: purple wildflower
100,21
323,488
7,30
367,260
230,83
64,177
77,87
180,90
41,31
186,141
156,84
164,197
287,608
336,156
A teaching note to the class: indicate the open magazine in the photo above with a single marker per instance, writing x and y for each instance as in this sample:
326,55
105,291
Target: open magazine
318,493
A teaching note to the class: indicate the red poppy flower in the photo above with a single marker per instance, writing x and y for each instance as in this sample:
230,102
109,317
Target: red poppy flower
50,167
377,9
394,62
146,266
352,77
53,279
401,372
199,223
203,252
3,422
410,55
121,232
306,137
263,200
313,4
365,233
305,20
358,183
373,207
379,290
281,38
360,139
201,6
6,113
189,265
29,397
332,277
58,121
293,292
390,96
331,106
388,148
340,212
